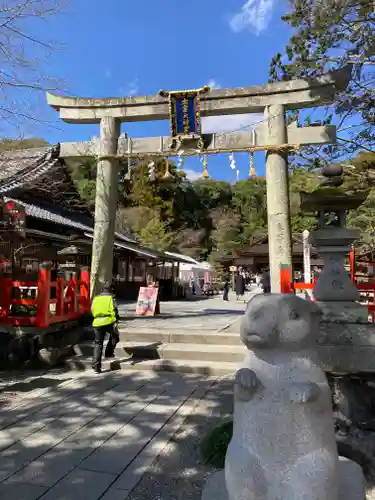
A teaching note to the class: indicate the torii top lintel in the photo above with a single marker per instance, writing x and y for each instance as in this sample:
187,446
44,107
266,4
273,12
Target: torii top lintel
294,94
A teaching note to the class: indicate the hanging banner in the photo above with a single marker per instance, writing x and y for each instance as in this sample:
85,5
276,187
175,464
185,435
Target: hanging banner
185,114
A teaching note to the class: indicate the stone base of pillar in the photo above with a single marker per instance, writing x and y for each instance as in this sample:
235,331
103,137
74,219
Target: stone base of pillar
351,487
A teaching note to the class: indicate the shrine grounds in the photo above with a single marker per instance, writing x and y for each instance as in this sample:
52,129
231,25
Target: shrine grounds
125,434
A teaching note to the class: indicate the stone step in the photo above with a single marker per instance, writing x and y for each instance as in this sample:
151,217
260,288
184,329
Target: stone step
178,336
172,351
206,326
212,368
201,352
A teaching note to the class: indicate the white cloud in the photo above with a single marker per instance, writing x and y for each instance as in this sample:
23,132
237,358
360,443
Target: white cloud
254,15
229,123
108,73
133,87
191,174
213,84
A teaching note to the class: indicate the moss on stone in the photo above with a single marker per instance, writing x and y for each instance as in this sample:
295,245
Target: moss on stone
214,445
329,191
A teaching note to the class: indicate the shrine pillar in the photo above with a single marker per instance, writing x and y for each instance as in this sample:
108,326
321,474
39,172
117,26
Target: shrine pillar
105,203
279,233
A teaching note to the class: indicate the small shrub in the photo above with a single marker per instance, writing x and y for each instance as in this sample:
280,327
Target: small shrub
215,443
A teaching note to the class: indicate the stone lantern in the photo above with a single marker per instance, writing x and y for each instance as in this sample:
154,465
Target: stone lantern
335,291
346,341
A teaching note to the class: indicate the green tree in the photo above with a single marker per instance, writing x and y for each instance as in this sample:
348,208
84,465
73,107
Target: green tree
123,224
189,242
194,205
7,144
160,194
212,193
155,234
301,180
364,219
225,234
329,35
250,200
136,217
189,207
209,219
83,175
360,171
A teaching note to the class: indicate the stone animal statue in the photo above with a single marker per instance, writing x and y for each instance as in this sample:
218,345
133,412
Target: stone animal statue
283,445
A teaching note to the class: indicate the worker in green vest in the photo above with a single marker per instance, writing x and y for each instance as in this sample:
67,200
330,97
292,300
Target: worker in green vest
105,314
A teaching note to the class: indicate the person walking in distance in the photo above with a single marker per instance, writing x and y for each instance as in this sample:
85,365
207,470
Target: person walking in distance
226,290
105,314
266,281
239,285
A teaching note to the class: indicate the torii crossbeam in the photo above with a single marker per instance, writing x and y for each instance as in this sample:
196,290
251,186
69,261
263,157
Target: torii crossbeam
241,141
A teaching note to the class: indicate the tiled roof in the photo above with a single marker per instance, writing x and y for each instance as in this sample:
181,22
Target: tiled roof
149,252
24,166
183,258
40,213
74,221
20,168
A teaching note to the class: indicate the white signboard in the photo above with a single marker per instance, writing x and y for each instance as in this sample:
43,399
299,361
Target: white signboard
306,257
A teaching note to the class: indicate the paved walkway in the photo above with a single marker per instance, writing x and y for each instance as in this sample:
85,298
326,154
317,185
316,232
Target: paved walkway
107,437
69,436
201,314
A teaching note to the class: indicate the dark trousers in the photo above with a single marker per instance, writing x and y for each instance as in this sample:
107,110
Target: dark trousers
225,294
99,336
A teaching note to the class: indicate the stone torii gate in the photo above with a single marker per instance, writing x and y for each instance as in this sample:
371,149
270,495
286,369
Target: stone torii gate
272,136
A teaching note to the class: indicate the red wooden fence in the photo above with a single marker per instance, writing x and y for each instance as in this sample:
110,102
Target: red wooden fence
288,286
368,288
72,299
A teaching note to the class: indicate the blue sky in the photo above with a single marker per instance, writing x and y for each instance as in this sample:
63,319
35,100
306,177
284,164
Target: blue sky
120,48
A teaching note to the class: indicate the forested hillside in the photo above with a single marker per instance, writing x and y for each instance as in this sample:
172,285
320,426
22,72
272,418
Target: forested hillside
208,219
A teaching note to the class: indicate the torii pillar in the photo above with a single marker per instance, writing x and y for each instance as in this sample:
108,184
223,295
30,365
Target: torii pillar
106,196
272,99
278,207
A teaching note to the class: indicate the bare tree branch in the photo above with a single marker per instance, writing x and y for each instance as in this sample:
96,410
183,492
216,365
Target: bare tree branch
22,248
23,56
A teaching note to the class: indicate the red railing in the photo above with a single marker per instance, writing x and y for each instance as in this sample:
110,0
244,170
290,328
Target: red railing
288,286
368,288
51,301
